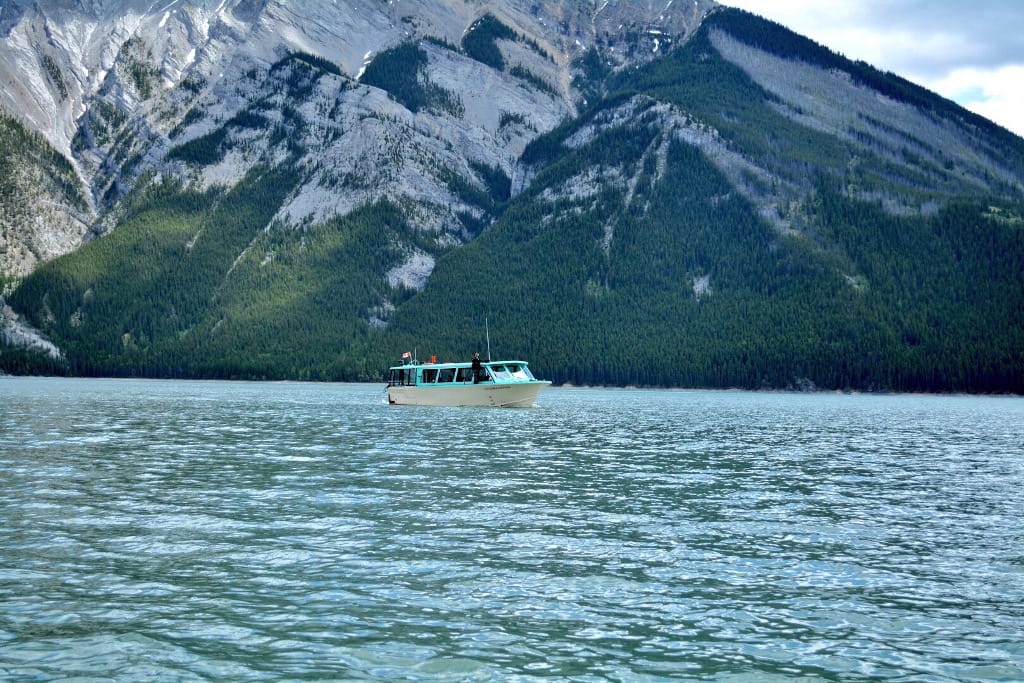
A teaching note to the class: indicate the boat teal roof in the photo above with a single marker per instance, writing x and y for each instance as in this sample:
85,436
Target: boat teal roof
455,364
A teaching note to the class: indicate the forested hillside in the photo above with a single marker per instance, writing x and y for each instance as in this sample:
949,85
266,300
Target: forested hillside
695,289
700,221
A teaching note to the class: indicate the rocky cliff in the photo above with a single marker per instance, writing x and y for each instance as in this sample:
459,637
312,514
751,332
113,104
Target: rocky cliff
115,86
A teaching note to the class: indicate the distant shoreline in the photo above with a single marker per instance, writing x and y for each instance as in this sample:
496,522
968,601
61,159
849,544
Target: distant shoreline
553,387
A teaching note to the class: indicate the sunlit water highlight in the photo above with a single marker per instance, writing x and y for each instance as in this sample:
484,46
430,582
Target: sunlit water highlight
231,531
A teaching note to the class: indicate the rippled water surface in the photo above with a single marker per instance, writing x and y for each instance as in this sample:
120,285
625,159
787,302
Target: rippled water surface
162,531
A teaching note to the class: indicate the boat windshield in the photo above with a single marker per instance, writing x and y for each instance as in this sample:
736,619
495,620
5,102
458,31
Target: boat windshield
519,371
511,371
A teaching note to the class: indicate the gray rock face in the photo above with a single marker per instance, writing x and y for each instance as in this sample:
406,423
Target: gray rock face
14,332
114,85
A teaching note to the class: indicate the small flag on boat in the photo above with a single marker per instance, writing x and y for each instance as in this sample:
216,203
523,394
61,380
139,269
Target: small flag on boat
406,355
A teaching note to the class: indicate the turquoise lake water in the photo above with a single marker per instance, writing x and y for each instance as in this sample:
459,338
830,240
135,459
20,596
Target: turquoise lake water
191,531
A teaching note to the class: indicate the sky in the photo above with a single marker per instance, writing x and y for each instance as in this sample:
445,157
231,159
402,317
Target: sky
970,52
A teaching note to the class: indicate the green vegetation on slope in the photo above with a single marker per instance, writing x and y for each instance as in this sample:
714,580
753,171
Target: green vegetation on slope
480,41
22,147
297,302
121,303
402,72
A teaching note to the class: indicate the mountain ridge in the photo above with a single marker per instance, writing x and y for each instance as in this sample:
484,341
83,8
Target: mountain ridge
115,86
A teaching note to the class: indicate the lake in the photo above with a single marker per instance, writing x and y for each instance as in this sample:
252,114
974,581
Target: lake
210,531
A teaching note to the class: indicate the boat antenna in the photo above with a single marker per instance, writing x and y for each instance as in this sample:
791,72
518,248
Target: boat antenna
487,331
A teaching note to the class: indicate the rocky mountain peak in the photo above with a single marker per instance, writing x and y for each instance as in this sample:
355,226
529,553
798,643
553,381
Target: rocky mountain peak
116,85
56,55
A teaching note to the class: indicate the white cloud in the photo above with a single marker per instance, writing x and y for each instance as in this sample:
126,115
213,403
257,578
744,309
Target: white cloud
996,94
972,53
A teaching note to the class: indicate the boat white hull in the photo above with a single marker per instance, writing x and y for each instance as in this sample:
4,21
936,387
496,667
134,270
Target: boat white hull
512,395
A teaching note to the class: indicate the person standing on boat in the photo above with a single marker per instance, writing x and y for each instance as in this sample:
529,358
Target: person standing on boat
478,368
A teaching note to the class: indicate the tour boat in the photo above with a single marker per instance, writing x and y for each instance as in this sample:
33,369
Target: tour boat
499,383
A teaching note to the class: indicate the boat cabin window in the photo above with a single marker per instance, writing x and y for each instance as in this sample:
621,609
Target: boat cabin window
401,377
446,375
500,372
430,376
465,375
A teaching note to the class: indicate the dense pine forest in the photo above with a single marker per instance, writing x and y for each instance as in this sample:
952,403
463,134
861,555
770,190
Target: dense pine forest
630,257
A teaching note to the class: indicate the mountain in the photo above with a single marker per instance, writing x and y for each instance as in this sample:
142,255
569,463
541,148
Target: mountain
628,193
116,86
